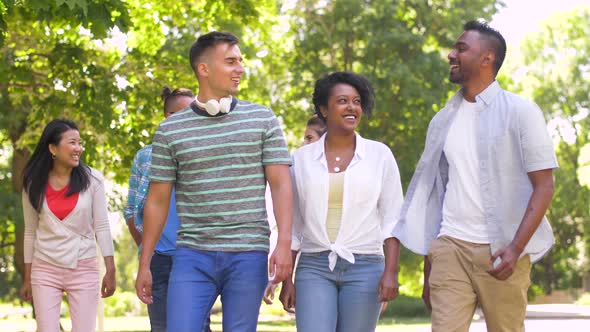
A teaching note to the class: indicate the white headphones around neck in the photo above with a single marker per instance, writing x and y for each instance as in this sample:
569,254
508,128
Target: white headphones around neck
213,107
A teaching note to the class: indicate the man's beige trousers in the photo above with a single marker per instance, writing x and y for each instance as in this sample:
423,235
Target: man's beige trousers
459,281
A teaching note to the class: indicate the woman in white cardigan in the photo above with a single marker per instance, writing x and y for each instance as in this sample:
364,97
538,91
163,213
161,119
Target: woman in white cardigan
347,198
65,214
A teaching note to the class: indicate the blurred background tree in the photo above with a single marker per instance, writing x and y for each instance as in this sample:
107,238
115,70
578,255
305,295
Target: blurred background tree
553,69
104,64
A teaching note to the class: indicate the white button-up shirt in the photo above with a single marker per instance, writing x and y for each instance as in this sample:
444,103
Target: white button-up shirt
512,141
371,202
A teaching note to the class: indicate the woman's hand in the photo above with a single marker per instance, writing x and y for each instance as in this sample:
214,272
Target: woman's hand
26,291
287,296
388,286
109,283
269,293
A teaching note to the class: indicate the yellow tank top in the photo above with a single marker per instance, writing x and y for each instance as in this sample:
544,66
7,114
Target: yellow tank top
334,218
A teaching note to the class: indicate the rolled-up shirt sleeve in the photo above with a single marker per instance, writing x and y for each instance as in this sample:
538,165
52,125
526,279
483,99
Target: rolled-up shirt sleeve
391,199
536,144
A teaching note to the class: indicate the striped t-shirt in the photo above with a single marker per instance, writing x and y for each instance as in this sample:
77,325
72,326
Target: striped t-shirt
217,164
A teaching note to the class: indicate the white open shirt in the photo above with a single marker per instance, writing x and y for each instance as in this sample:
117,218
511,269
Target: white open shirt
372,200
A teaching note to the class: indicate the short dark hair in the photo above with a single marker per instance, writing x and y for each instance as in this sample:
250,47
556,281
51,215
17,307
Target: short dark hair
169,94
323,89
320,124
36,173
209,40
493,37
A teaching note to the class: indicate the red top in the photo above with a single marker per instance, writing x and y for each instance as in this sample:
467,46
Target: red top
58,203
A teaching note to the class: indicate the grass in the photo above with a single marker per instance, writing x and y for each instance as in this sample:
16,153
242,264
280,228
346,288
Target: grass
272,319
267,324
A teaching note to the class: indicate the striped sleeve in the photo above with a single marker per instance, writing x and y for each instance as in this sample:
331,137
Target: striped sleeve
164,165
274,146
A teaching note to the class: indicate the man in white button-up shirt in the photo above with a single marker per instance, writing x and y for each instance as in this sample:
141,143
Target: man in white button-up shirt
477,200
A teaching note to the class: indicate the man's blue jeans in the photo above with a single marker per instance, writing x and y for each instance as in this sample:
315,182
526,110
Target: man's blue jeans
160,268
343,300
199,276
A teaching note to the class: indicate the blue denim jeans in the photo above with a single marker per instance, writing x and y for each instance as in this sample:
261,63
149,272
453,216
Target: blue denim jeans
160,268
199,276
343,300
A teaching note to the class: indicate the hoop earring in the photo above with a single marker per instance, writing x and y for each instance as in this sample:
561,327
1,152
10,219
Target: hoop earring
52,156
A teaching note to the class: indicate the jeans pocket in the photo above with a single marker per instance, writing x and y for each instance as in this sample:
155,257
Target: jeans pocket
374,259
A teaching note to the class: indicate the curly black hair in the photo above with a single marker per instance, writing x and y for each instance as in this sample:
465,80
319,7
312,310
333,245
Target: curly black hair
323,89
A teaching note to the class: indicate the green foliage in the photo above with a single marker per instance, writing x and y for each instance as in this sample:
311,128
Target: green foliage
157,56
11,210
126,261
96,16
584,299
52,67
400,47
558,80
124,304
57,61
407,307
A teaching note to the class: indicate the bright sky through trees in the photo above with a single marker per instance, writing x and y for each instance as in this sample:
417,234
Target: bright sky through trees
522,16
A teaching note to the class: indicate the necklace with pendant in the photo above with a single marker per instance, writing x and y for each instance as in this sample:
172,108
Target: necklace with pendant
336,168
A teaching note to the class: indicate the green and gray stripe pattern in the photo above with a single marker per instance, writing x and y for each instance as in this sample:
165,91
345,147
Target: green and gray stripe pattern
217,165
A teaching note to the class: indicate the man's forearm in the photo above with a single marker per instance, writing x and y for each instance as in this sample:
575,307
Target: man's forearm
282,200
536,208
155,214
135,234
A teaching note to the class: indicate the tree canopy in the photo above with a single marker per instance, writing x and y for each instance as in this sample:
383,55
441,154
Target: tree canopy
554,71
103,64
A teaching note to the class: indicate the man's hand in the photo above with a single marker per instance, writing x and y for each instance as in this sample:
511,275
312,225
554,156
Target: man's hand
281,263
508,258
287,296
426,287
388,286
143,285
426,296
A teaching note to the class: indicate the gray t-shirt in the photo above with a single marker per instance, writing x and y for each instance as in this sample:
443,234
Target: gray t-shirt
217,165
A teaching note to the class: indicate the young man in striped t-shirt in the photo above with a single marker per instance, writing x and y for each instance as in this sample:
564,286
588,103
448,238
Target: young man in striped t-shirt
218,154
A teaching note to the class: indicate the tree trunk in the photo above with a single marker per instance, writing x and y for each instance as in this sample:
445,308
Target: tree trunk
19,160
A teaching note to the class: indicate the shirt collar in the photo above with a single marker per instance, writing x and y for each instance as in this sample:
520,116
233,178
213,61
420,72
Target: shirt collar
485,97
319,147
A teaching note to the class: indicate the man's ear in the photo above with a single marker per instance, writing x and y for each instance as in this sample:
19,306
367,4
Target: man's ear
203,69
489,58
